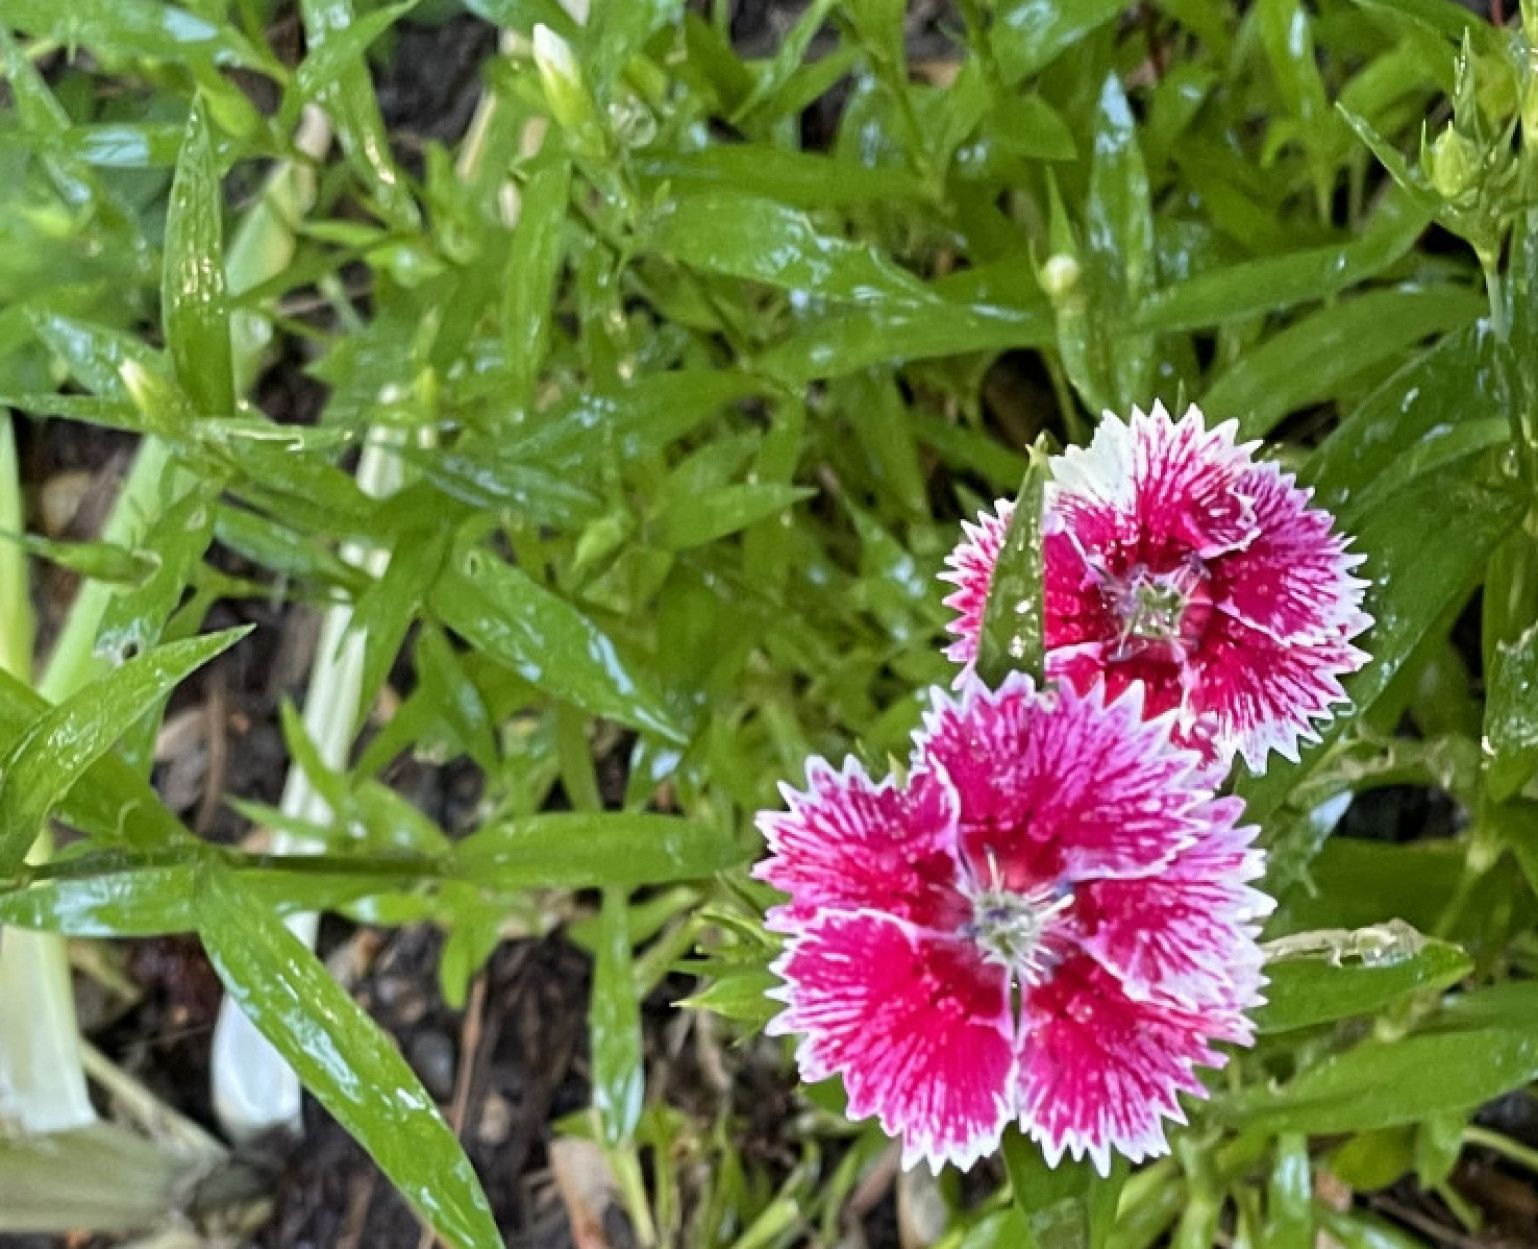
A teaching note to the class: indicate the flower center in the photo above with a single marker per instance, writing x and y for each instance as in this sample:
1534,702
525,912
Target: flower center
1009,927
1159,611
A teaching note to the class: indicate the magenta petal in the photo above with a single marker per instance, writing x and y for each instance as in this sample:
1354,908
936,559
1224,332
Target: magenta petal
1058,785
1101,1072
918,1026
848,842
1181,935
1294,579
969,567
1257,694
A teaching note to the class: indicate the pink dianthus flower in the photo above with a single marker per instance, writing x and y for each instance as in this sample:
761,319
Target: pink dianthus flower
1173,557
1047,923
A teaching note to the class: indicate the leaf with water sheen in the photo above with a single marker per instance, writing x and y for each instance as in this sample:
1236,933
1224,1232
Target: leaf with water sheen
197,316
1306,991
614,1024
1012,617
1511,716
344,1059
55,751
544,639
581,850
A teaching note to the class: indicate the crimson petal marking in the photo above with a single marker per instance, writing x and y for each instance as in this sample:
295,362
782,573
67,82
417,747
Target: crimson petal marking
1294,580
969,567
1102,1072
1259,694
920,1028
1059,786
847,843
1179,937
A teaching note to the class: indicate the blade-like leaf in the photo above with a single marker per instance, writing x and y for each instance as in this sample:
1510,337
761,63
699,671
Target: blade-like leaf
56,750
352,1068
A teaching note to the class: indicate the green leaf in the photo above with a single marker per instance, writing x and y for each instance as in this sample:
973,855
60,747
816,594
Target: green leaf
1306,991
1119,239
533,265
690,520
799,179
1012,615
746,237
544,639
94,354
355,109
581,850
331,58
739,994
351,1067
851,339
614,1024
1313,359
110,801
131,28
1482,1046
55,751
1511,716
196,312
1028,35
1065,1207
1265,285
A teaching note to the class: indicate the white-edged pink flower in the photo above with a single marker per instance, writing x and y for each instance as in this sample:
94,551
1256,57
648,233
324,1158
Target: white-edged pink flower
1047,922
1173,557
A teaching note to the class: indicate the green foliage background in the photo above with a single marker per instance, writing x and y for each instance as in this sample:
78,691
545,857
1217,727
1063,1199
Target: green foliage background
688,413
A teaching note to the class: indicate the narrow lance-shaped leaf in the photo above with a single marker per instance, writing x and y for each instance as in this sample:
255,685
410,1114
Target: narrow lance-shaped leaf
614,1022
1305,991
1011,639
578,850
342,1057
58,748
1511,716
547,641
534,263
196,311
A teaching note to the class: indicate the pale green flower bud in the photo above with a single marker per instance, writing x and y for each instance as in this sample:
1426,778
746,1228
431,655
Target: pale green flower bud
1454,164
1059,276
566,91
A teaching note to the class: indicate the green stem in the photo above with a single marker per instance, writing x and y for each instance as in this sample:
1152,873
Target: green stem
1503,1145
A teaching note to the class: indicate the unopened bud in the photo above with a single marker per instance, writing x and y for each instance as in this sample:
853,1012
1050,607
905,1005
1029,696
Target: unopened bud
566,91
1454,164
1059,276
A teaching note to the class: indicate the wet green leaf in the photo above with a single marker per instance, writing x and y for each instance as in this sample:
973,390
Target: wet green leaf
1316,357
335,56
534,263
1511,716
1479,1048
1305,991
741,236
351,101
1274,282
739,995
584,850
132,28
1012,616
799,179
1413,583
544,639
196,312
57,748
1028,35
352,1068
690,520
614,1025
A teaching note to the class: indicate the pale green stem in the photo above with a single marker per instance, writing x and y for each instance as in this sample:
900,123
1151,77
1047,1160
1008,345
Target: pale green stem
1509,1149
